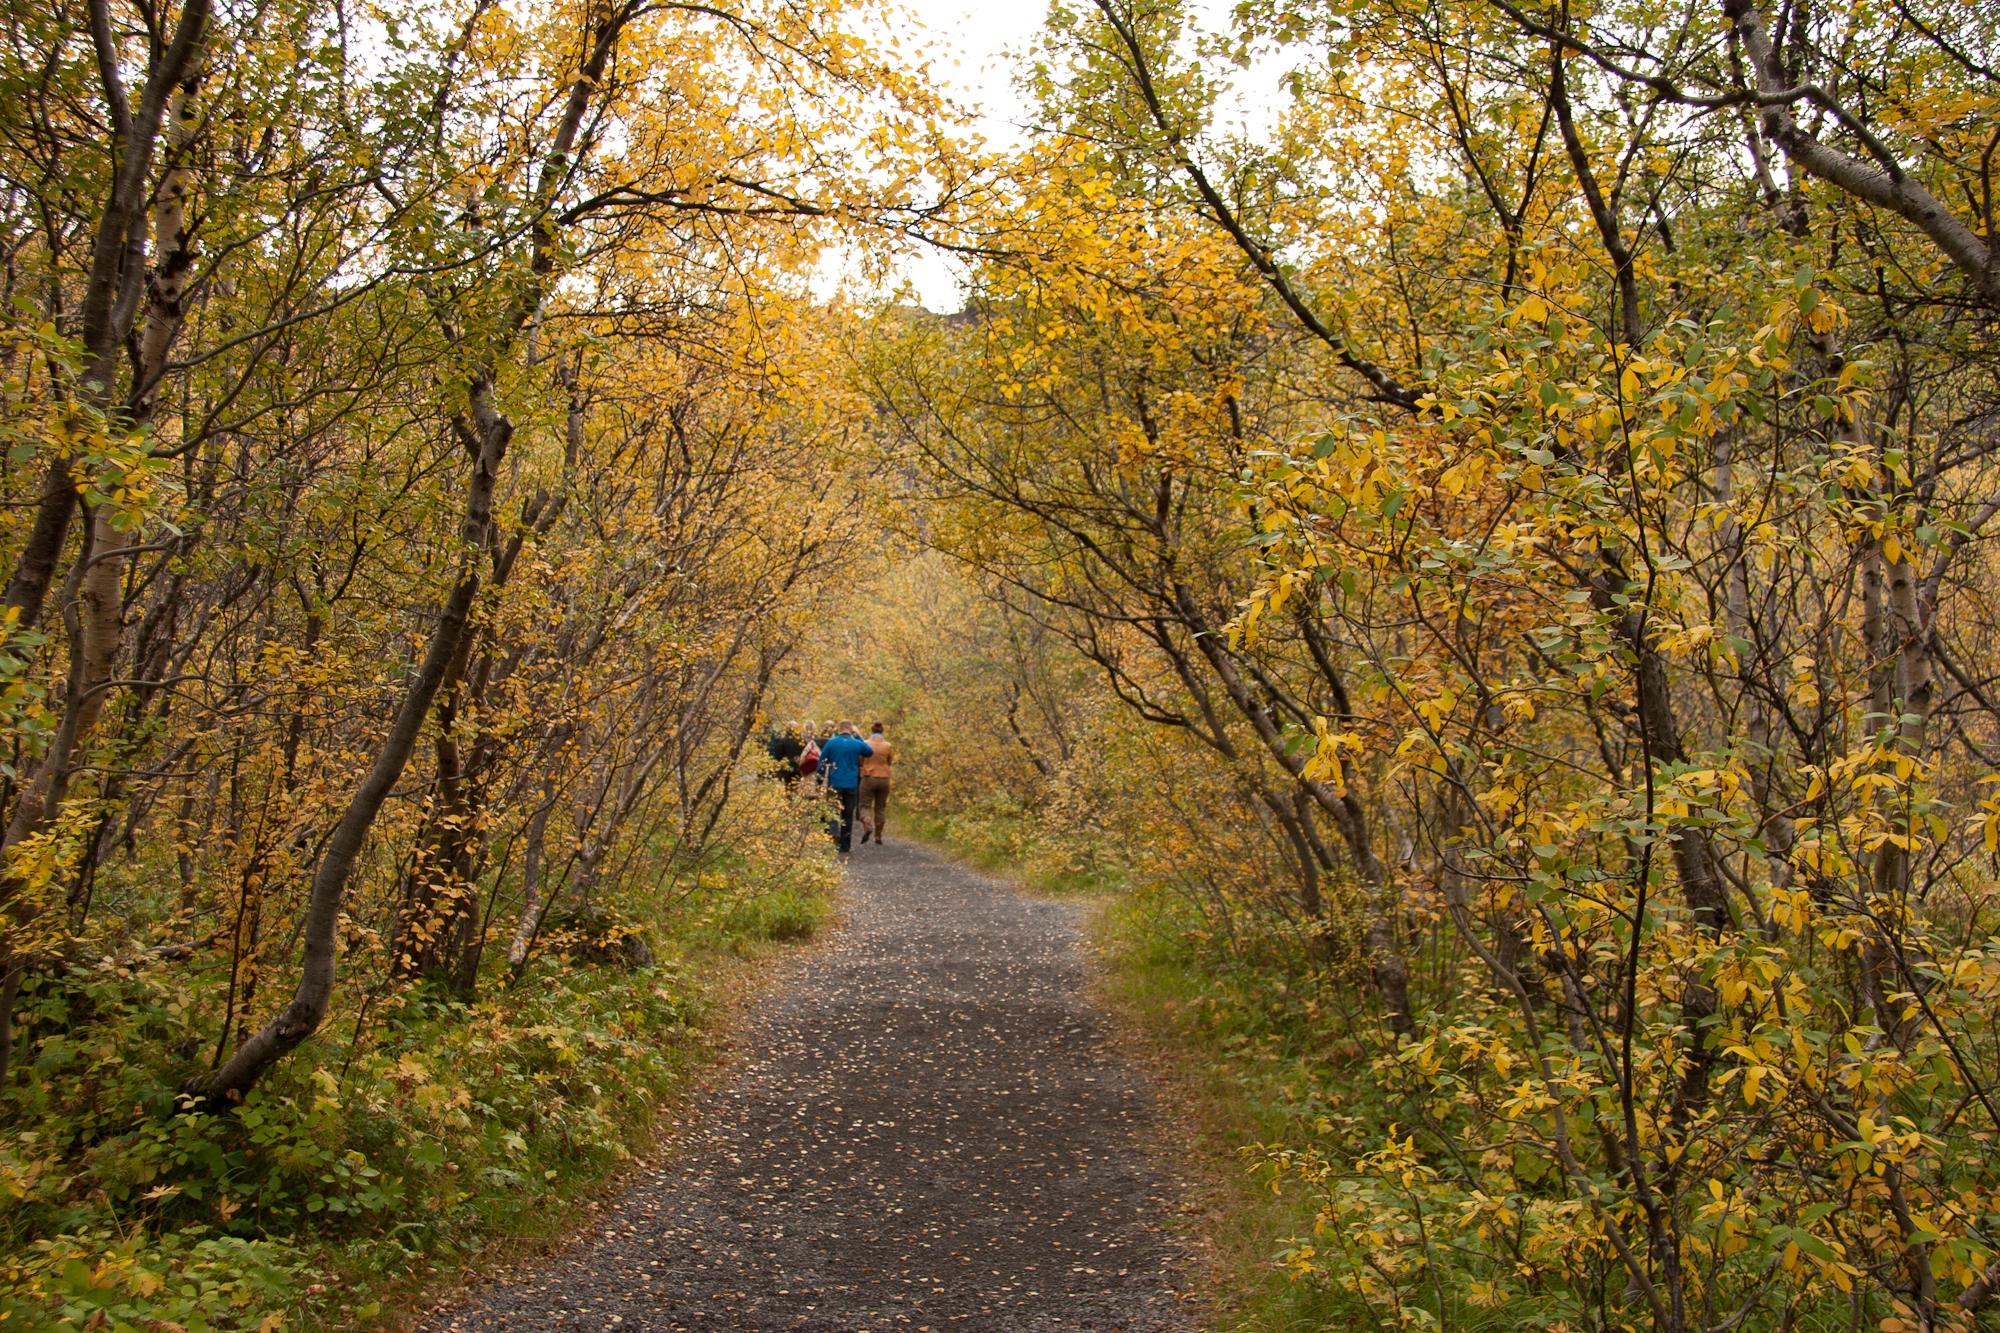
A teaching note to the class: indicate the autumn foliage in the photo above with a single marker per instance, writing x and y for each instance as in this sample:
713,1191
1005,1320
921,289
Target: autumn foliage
1499,568
1538,503
423,451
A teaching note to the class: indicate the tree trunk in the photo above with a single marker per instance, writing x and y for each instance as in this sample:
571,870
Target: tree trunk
1386,967
530,923
492,432
314,993
107,316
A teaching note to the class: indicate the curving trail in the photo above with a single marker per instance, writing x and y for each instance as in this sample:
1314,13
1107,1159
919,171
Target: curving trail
928,1132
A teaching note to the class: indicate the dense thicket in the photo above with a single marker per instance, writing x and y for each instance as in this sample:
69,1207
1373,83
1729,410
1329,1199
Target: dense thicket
421,454
1545,496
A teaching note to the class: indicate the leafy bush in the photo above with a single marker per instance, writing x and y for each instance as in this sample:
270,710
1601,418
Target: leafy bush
186,1279
412,1135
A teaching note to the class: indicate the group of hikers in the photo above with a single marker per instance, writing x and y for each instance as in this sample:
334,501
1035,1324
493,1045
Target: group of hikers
843,767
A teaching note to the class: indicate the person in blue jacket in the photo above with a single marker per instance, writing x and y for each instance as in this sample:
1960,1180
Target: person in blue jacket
840,760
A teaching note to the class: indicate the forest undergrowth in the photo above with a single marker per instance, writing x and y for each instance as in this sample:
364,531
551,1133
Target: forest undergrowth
422,1135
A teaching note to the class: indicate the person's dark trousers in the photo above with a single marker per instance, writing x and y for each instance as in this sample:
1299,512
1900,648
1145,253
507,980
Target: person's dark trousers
850,801
875,795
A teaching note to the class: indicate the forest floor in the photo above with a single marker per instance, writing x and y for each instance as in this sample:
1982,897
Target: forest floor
930,1128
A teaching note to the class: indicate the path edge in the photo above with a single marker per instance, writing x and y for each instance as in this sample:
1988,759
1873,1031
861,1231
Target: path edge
734,986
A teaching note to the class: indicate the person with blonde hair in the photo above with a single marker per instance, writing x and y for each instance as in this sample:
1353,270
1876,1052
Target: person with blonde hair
809,752
840,761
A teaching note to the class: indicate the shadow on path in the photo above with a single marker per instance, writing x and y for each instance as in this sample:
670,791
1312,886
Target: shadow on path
928,1132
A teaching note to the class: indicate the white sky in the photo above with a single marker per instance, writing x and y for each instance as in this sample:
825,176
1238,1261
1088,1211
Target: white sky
973,45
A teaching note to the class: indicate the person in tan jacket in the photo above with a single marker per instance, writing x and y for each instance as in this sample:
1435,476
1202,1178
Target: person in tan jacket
875,785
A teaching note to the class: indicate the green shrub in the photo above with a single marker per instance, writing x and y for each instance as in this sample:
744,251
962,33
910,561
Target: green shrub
188,1280
411,1133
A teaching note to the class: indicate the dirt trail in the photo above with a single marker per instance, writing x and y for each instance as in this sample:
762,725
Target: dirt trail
928,1131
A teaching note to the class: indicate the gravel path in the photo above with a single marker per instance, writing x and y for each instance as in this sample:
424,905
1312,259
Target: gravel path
928,1132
